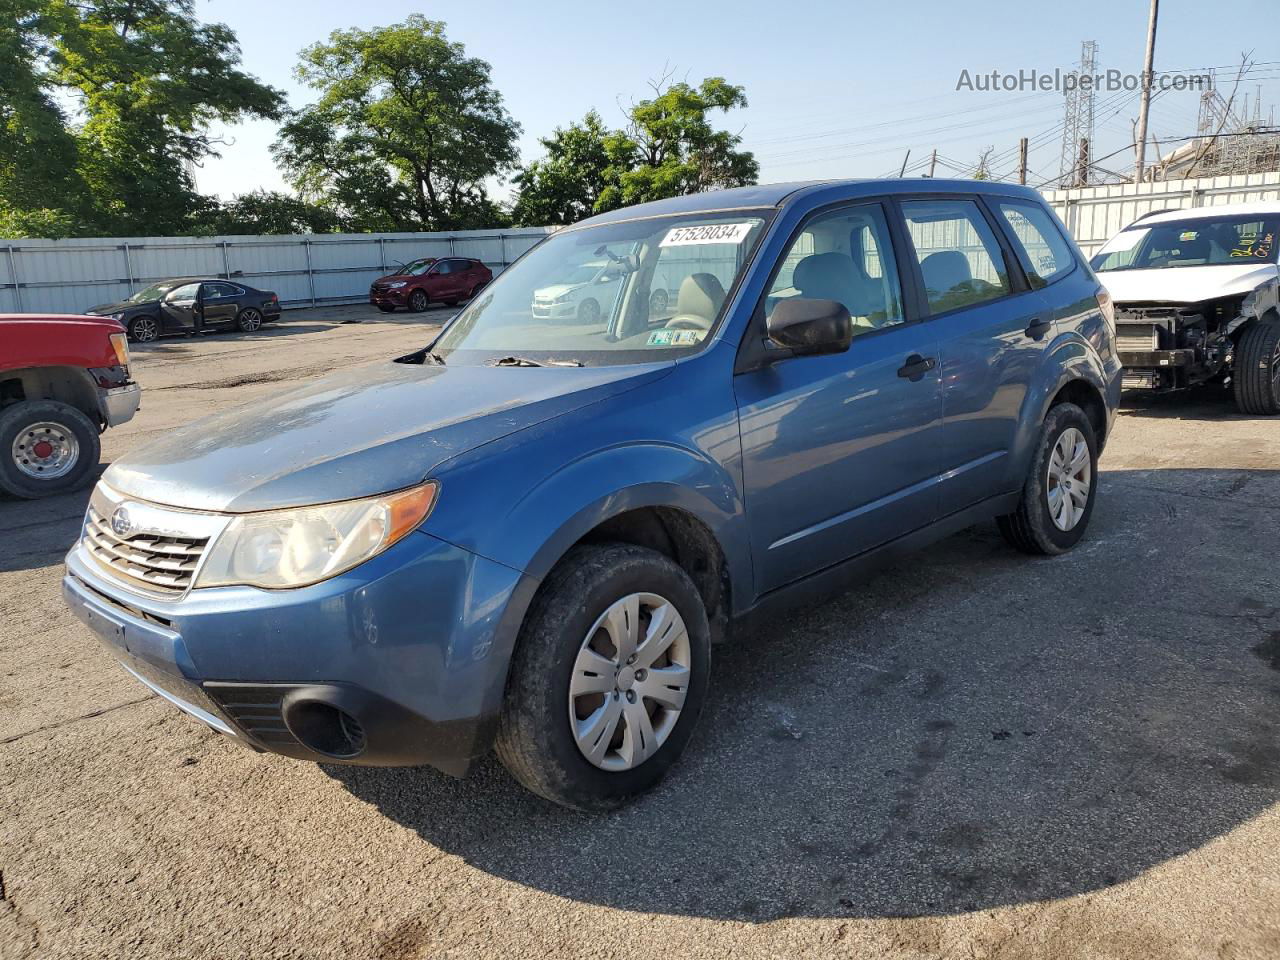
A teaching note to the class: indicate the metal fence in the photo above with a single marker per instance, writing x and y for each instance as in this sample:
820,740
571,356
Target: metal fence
1094,214
69,276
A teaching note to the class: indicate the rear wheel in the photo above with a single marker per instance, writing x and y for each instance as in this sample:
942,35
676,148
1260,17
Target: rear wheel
418,301
1057,498
250,320
46,447
1257,369
608,677
144,329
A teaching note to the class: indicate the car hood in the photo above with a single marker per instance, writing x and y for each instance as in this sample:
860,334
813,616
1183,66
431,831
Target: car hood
393,276
356,433
106,309
556,290
1184,284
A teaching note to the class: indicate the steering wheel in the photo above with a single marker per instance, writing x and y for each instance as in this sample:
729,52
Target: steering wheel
688,321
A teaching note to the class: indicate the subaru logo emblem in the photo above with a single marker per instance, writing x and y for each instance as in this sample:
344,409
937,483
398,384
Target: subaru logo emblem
120,522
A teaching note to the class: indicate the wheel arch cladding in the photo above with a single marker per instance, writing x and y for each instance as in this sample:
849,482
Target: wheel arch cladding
70,385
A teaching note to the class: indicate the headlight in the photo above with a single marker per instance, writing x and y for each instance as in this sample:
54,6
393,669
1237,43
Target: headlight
398,284
304,545
563,298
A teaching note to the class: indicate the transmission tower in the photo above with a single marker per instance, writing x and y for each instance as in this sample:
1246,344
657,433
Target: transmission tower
1077,123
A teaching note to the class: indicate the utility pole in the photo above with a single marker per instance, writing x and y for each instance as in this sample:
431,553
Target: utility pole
933,162
1144,105
1022,161
903,171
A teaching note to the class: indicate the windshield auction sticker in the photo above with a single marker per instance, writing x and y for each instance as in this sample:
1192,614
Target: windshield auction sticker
676,338
707,233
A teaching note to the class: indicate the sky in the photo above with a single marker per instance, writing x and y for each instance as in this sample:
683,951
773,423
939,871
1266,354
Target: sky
835,89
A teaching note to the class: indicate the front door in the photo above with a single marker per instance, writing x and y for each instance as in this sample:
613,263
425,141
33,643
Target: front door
840,452
179,307
992,330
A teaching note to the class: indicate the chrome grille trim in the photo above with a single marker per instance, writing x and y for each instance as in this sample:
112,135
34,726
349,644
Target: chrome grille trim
160,554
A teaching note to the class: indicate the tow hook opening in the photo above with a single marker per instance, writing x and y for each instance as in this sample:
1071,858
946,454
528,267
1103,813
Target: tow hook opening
325,729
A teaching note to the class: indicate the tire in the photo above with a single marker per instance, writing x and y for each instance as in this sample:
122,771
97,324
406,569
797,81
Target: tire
535,739
588,311
1257,369
659,300
386,308
249,320
418,301
71,460
144,329
1032,527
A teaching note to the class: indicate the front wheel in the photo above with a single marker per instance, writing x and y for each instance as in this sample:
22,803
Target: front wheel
608,677
418,301
1057,498
144,329
250,320
1257,369
46,447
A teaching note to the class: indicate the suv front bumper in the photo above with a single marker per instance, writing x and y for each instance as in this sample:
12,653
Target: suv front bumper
400,661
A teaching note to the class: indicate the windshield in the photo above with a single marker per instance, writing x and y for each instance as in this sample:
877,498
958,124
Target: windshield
1199,242
627,292
416,268
153,292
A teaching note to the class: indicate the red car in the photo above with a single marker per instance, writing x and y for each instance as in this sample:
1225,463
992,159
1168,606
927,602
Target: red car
63,380
416,285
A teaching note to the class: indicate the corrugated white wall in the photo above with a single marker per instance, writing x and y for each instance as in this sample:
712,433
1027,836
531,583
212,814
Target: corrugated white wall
69,276
1095,214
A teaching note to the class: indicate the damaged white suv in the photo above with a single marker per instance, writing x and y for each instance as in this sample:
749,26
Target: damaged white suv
1197,301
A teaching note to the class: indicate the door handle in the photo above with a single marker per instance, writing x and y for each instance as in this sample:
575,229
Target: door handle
916,367
1038,328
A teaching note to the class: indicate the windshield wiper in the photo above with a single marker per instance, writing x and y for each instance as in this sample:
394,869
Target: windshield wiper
527,362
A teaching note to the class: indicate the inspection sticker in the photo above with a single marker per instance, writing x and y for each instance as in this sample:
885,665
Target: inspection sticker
676,338
707,233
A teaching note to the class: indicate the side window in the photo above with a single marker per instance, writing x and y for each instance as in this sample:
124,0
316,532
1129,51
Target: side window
1044,251
441,268
958,254
186,292
845,255
219,290
460,266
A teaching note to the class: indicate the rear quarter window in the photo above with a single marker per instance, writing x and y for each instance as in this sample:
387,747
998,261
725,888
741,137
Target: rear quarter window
1044,252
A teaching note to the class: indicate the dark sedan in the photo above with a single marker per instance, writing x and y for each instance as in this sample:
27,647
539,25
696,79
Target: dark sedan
189,305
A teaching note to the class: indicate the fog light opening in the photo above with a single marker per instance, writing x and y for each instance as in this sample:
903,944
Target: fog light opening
325,729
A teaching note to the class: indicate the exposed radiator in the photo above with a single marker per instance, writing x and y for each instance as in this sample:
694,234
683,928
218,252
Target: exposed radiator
1137,336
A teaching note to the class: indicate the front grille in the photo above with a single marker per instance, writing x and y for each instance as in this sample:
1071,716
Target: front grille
161,563
1137,336
255,708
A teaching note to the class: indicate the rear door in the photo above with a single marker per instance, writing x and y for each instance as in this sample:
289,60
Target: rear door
840,452
992,330
221,302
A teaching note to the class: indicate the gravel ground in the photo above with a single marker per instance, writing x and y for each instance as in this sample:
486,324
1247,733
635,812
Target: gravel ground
972,755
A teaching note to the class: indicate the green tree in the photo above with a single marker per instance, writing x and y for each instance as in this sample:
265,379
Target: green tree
144,81
271,212
406,131
564,186
670,148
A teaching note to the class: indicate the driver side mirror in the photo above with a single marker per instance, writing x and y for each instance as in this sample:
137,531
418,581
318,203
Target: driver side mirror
809,327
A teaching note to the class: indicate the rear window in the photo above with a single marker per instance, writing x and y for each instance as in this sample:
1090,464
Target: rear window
1043,250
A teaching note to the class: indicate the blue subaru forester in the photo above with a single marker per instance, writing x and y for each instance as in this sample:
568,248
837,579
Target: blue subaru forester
529,533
